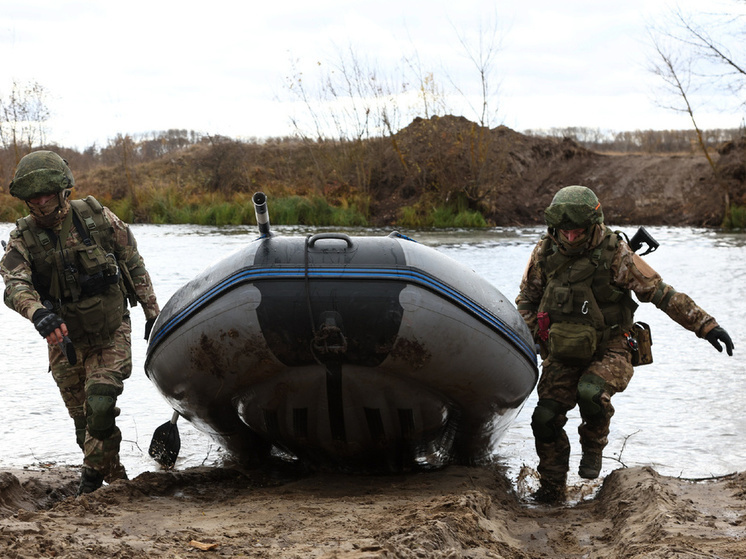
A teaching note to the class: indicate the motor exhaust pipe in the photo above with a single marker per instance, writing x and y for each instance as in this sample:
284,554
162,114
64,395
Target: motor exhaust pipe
262,215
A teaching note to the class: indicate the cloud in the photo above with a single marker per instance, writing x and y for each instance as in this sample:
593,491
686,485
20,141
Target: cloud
221,66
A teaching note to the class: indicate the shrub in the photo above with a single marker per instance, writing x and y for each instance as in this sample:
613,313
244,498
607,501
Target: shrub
736,219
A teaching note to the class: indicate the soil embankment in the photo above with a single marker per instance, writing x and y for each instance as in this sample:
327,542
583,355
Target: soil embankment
511,178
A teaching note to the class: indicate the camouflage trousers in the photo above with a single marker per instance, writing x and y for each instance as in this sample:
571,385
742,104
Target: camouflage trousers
109,365
559,383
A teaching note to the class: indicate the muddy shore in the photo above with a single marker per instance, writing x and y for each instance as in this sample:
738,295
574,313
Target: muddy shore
454,512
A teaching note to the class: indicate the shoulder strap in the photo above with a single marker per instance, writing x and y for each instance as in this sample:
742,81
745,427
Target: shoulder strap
90,221
604,252
38,241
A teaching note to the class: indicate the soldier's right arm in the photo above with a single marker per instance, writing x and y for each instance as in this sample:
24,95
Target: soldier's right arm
15,268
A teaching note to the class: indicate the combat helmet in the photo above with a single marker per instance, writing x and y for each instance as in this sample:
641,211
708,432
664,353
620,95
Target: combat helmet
39,173
574,207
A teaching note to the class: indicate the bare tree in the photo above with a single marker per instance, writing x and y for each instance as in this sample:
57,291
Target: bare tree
482,54
689,56
431,98
719,57
676,73
350,105
23,117
481,51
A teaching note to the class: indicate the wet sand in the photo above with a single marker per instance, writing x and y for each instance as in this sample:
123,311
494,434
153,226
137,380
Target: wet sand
454,512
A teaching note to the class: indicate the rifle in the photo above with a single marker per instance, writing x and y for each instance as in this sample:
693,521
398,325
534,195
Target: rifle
640,238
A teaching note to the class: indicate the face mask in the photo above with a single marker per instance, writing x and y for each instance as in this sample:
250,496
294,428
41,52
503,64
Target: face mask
573,247
51,212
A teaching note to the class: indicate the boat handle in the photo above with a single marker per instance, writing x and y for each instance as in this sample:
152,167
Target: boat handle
336,236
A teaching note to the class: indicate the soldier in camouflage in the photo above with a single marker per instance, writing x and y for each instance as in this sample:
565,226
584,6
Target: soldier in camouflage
575,296
71,267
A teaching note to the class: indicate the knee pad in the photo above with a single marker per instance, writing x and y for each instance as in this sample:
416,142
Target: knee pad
590,388
101,410
544,421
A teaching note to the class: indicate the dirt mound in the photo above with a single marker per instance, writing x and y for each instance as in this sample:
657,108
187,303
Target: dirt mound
455,512
511,177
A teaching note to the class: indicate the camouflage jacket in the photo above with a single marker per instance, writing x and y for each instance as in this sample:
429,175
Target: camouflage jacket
628,272
16,268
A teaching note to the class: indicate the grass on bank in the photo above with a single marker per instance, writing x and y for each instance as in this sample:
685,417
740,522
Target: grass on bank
183,206
440,218
171,206
168,207
736,219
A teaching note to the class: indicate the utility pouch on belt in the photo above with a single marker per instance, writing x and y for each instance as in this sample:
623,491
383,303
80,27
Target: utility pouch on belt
643,355
94,318
574,344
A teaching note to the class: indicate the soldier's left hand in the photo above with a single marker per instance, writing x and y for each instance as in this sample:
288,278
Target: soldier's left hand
717,335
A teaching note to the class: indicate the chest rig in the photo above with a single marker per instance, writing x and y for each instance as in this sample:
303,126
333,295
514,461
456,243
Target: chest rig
583,307
81,281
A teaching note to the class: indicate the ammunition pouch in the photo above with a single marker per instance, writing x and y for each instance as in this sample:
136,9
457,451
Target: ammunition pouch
644,354
572,343
95,318
97,271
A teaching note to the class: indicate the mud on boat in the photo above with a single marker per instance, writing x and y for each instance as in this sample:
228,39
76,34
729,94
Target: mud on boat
355,353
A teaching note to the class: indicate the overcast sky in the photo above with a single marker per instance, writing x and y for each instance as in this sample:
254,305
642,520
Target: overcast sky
221,67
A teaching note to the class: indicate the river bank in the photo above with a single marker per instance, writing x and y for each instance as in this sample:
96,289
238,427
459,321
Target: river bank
444,171
455,512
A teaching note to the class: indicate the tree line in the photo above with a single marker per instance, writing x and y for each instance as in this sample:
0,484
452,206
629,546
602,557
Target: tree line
126,150
644,141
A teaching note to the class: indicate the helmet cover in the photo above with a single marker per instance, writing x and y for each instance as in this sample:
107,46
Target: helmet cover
574,207
39,173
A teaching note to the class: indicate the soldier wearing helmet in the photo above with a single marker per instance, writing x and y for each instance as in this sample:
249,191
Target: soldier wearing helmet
71,267
576,297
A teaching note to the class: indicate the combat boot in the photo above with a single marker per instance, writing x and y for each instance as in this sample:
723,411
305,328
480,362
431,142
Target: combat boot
590,464
115,473
90,480
551,493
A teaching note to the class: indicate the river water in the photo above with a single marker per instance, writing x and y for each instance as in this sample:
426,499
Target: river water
684,414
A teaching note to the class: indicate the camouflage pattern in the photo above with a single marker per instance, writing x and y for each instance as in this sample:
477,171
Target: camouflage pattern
15,268
559,382
574,207
97,365
109,363
628,271
39,173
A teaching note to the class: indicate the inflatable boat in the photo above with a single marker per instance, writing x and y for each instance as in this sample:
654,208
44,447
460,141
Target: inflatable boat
345,352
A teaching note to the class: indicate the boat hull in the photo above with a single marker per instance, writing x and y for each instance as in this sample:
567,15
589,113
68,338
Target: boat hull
360,353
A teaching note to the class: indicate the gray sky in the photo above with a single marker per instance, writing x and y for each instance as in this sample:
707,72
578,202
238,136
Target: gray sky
221,67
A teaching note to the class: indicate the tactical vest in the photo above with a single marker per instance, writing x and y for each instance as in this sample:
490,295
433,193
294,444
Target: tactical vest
82,283
585,310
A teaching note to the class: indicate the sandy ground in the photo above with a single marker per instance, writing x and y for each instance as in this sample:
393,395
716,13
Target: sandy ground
455,512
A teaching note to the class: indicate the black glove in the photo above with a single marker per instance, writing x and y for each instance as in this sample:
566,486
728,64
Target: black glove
46,322
148,327
717,335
